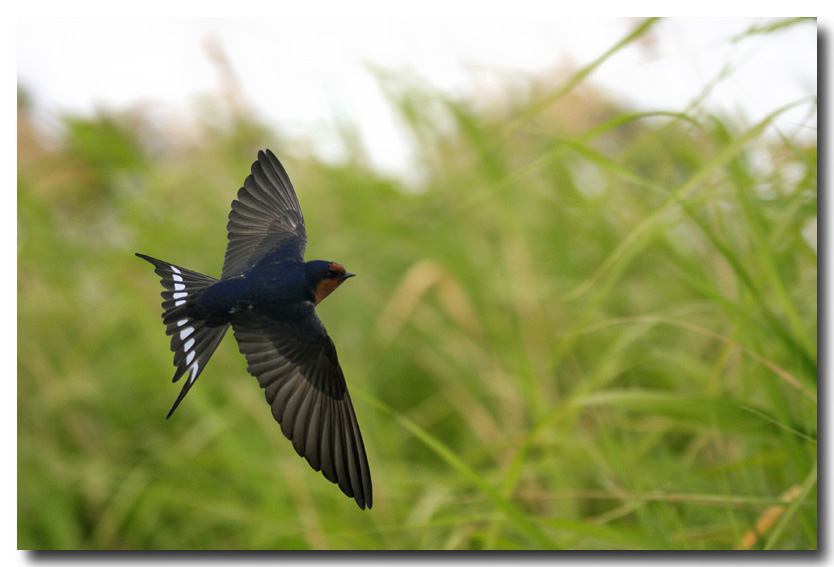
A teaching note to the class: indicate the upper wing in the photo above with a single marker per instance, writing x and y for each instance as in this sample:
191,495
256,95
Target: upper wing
297,366
265,218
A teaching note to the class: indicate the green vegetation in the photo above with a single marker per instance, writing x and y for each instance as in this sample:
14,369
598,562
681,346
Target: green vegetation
586,328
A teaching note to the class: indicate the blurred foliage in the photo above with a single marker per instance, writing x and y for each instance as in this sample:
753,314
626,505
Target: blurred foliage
583,328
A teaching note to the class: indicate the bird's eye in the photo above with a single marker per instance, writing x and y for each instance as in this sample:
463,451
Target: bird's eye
330,274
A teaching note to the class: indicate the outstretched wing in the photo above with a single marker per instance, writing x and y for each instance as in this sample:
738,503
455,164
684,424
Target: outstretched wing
265,219
297,366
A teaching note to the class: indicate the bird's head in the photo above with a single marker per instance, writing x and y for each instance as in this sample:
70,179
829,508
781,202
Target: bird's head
326,277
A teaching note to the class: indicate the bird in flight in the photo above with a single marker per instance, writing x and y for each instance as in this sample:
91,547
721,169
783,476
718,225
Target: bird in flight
268,294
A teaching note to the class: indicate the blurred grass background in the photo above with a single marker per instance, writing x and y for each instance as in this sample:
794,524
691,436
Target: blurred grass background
581,328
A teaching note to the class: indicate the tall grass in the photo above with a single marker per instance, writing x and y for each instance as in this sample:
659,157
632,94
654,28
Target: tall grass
587,328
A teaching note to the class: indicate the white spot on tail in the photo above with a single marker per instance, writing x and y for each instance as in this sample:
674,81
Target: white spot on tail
182,322
179,294
188,344
190,357
179,302
176,278
175,270
185,332
194,369
179,286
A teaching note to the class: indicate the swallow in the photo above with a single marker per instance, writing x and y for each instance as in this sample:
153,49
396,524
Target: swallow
268,294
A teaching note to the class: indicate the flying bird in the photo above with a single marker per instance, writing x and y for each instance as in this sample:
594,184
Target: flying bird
268,294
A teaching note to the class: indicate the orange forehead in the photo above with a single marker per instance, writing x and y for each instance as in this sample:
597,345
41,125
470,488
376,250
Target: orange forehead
338,268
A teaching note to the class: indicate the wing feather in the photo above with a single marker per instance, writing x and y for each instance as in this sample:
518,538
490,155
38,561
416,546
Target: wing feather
297,366
265,219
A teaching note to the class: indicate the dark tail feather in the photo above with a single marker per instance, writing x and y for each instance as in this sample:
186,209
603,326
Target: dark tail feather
192,341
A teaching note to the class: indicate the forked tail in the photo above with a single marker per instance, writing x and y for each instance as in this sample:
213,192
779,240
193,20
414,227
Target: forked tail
192,340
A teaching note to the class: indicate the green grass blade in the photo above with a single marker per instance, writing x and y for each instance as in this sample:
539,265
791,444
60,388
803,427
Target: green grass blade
514,515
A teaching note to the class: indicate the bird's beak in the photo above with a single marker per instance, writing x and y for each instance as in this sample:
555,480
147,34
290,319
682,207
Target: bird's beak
347,275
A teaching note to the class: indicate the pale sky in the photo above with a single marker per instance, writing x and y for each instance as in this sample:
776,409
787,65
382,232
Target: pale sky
298,71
